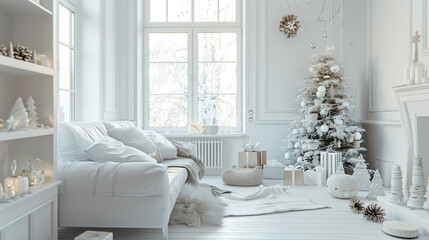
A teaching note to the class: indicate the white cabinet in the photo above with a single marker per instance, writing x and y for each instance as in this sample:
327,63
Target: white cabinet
25,22
32,217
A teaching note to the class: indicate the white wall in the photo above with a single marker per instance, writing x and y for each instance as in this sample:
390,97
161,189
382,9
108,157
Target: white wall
274,66
388,53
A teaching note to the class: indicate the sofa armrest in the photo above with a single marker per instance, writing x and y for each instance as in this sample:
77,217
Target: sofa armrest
87,178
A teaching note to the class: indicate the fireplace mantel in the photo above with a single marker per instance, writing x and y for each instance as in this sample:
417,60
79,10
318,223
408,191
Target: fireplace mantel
413,103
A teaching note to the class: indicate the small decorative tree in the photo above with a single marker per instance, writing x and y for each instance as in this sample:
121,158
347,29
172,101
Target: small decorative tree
208,109
376,188
361,174
32,114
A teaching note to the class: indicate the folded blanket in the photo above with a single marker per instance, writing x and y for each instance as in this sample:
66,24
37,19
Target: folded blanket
192,176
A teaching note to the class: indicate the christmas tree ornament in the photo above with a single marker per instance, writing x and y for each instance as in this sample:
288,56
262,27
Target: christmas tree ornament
31,108
318,102
290,25
295,133
396,195
356,205
374,213
288,155
358,136
310,129
342,186
345,104
338,121
335,68
300,159
312,145
324,128
321,89
417,188
324,112
313,45
320,94
303,131
304,146
350,138
376,188
340,128
361,174
19,114
10,124
303,104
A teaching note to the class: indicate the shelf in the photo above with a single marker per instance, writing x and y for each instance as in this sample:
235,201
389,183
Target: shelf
21,68
21,134
34,191
27,7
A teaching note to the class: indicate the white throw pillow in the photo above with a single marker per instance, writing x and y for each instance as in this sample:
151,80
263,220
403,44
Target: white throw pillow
136,138
108,149
74,138
167,149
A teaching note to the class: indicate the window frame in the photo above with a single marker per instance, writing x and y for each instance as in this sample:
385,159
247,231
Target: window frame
72,48
193,28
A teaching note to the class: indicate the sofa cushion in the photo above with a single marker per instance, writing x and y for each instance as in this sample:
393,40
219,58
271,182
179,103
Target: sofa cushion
118,124
74,138
136,138
167,149
107,149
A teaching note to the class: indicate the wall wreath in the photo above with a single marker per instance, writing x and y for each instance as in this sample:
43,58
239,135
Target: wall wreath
290,25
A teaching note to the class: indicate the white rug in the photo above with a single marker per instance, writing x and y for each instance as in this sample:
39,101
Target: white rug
266,200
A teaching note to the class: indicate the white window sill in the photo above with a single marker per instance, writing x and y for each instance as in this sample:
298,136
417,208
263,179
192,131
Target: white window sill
220,135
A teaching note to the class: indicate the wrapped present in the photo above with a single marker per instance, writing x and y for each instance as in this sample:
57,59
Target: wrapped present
252,159
293,176
329,161
273,169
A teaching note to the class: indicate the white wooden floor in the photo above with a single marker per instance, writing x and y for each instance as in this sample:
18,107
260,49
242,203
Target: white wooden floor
338,222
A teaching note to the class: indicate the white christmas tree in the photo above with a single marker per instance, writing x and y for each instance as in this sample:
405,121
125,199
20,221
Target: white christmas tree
361,174
19,114
396,195
376,188
31,108
324,122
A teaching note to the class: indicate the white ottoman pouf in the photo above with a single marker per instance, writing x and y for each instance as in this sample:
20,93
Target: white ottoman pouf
95,235
243,176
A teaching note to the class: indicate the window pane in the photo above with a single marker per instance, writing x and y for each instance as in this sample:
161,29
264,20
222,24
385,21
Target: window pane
217,78
227,11
206,10
168,47
179,11
64,107
218,110
158,11
168,78
64,64
64,25
168,111
217,47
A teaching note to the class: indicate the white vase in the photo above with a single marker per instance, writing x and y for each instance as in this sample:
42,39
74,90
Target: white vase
211,129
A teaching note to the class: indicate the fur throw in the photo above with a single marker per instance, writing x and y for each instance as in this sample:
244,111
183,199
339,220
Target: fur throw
196,205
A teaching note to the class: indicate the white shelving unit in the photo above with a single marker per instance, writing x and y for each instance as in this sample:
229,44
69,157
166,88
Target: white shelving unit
25,22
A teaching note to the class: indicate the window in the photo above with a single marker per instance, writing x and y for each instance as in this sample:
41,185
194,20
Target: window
66,56
192,64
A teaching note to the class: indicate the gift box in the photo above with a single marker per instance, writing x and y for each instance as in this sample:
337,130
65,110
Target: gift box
273,172
252,159
293,177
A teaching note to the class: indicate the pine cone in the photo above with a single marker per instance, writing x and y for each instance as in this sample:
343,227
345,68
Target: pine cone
374,213
22,53
3,50
356,205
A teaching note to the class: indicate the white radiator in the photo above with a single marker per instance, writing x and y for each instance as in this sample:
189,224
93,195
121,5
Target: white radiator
210,151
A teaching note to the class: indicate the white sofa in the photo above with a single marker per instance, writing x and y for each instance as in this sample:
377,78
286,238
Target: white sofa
111,194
